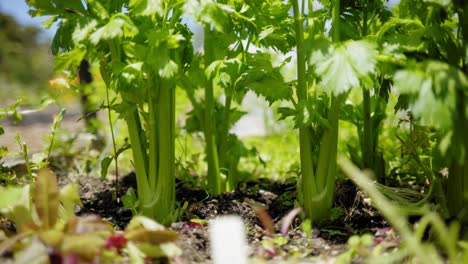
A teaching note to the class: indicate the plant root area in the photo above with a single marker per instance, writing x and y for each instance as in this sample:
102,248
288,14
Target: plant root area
318,245
327,243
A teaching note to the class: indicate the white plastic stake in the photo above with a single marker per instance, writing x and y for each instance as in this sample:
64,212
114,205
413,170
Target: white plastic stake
227,240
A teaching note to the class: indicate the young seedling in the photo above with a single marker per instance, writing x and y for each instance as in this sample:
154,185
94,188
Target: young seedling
49,230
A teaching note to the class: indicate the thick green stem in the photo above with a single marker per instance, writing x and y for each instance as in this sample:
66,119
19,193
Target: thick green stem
366,142
457,190
114,145
139,154
336,20
367,133
317,188
165,185
308,184
326,167
214,179
457,183
231,181
153,125
368,137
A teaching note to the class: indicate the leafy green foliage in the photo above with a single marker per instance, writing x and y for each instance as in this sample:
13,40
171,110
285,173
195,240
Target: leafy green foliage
144,51
264,79
353,61
39,204
210,13
50,217
119,25
434,86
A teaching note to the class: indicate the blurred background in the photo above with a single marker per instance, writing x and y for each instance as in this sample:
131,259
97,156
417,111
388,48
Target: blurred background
25,59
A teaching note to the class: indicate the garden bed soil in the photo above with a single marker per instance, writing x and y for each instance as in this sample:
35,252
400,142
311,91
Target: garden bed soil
356,216
323,245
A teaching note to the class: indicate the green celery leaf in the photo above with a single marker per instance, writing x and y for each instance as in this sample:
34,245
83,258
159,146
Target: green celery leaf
443,3
119,25
69,60
344,66
169,69
209,12
147,7
160,45
98,9
266,32
83,29
41,7
264,79
53,7
271,86
433,87
130,82
49,22
407,34
63,37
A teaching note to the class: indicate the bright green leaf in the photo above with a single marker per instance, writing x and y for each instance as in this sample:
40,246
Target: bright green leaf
97,8
343,67
83,29
433,86
69,198
69,60
15,204
209,12
119,25
444,3
147,7
46,198
105,163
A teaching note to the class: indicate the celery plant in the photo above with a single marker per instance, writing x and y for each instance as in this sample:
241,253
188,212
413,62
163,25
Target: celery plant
317,184
141,51
214,179
331,67
227,66
435,88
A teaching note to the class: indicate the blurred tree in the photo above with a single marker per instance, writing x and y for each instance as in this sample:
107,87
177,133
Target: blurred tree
25,62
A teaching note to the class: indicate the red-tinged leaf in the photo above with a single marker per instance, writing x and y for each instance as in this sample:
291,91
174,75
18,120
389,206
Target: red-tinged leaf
151,236
71,259
178,260
46,198
288,219
195,225
117,241
379,240
266,220
384,230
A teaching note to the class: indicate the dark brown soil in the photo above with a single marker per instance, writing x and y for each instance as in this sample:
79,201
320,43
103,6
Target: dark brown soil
324,243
